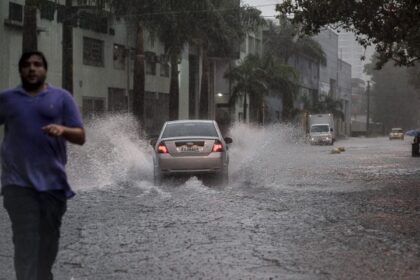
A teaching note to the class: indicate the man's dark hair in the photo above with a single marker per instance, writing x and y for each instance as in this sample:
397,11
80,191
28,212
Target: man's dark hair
25,56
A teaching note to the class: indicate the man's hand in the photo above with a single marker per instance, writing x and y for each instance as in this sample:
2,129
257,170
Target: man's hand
75,135
54,129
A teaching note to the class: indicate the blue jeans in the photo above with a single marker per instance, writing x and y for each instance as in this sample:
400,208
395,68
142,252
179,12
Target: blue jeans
36,220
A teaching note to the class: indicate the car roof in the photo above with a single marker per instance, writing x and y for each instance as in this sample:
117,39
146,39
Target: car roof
397,128
190,121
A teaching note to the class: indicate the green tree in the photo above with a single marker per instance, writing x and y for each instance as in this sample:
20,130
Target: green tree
281,41
249,81
393,26
280,44
282,80
256,77
173,30
140,14
223,25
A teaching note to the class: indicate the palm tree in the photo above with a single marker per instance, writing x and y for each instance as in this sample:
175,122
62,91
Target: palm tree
249,79
282,80
140,14
223,25
281,43
208,24
172,29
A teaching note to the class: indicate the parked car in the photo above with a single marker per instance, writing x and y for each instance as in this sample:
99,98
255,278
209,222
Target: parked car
396,133
191,147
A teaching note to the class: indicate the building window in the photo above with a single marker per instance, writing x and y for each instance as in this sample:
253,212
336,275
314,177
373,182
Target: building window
117,100
150,60
15,12
47,10
119,56
93,52
150,67
164,70
93,22
92,106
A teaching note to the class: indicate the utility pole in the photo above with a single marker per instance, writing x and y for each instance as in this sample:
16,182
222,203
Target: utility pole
67,47
368,108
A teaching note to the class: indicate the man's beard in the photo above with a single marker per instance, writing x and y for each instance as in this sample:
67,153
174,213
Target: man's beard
28,86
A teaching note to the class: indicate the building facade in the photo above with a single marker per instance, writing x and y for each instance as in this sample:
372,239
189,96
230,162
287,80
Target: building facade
345,96
328,73
103,59
352,52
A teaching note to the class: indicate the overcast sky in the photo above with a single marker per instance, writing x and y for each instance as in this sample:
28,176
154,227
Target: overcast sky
266,6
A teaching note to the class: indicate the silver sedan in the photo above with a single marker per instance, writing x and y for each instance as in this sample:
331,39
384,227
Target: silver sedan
191,147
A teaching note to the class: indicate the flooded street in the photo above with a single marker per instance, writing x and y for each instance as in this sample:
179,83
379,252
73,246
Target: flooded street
291,211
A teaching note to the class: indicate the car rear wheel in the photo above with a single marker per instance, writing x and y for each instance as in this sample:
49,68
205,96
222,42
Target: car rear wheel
222,178
157,177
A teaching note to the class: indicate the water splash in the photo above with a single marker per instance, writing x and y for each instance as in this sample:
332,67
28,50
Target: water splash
261,156
113,154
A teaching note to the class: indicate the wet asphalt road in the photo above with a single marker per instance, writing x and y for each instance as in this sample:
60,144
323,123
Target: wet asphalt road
291,211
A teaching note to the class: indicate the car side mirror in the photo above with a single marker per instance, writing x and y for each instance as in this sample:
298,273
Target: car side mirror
331,129
153,142
228,140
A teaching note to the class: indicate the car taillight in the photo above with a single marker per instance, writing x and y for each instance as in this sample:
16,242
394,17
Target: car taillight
217,146
162,149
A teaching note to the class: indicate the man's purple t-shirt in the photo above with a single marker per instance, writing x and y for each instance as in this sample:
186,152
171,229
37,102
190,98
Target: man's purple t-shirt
30,157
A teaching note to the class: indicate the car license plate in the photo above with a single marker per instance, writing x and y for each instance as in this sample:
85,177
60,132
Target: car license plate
194,148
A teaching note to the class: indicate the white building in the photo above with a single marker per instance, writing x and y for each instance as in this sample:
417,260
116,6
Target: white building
352,52
328,74
103,64
102,72
335,77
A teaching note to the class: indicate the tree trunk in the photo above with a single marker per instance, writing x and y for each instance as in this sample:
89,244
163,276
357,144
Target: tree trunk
245,107
67,45
29,37
204,93
254,109
287,106
174,89
139,78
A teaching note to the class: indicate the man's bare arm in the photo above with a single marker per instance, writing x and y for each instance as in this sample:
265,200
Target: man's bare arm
75,135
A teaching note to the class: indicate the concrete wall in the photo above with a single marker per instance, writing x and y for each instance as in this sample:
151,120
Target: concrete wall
308,72
328,40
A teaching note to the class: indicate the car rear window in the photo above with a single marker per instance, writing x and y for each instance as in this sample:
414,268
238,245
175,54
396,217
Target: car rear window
189,129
